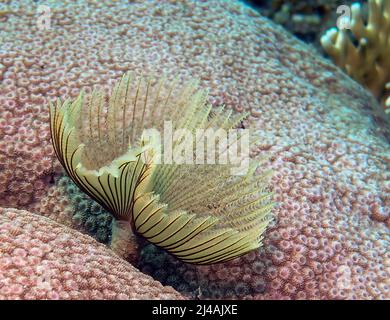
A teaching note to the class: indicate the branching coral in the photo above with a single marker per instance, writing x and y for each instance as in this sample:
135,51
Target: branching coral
200,212
305,19
367,61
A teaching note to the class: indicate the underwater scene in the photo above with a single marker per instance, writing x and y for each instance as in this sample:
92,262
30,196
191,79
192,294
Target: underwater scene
194,150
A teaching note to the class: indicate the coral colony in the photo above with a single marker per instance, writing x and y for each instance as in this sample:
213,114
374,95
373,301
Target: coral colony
367,62
309,218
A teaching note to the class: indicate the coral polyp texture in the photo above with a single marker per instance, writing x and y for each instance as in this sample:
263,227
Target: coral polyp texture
41,259
364,54
326,137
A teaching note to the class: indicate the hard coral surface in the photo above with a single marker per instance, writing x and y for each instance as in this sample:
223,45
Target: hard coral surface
41,259
65,203
324,133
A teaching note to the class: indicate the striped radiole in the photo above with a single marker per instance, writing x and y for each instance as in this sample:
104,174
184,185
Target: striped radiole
200,213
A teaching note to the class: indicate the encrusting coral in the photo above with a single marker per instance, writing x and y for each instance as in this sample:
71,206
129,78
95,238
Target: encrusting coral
68,205
41,259
190,208
363,49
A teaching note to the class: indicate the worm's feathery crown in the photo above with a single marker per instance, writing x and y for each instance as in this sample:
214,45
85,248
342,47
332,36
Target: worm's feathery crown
198,212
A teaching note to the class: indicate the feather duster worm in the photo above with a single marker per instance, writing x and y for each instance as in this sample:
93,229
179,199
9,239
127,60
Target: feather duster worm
200,213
